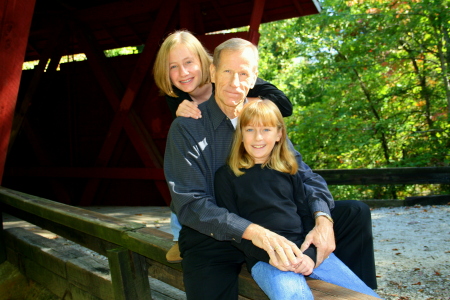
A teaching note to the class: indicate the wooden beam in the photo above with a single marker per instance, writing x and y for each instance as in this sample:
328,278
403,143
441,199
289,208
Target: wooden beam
118,10
45,160
427,175
299,8
146,59
15,21
219,11
255,21
186,11
125,118
54,51
129,276
55,46
94,172
143,65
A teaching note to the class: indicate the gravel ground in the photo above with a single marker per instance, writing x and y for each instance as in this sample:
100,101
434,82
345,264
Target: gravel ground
412,252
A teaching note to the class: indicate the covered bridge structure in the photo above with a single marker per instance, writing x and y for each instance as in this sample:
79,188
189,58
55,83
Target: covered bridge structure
93,132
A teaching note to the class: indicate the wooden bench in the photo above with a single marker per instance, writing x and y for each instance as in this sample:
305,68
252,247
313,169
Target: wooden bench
133,250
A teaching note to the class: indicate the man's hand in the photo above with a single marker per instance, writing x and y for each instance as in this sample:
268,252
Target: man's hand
188,109
280,249
322,236
282,267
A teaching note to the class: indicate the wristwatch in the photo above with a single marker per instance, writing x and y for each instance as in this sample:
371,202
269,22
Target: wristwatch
321,213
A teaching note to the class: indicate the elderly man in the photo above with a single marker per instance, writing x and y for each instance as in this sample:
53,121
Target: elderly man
195,149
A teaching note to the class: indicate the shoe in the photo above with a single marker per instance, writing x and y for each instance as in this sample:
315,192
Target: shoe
173,255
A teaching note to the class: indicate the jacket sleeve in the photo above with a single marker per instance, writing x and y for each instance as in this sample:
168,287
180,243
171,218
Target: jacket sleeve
268,91
174,102
186,169
318,195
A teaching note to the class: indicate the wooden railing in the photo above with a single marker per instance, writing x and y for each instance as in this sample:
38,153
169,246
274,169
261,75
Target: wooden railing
430,175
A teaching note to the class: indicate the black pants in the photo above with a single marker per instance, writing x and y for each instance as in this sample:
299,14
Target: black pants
354,239
211,267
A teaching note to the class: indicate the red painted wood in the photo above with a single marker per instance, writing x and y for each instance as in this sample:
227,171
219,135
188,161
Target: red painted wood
255,20
86,132
143,65
15,18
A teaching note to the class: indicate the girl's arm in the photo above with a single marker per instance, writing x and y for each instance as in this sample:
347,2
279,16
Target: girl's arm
268,91
173,104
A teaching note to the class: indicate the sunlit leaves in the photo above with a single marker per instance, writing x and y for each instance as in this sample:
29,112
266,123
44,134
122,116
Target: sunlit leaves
367,80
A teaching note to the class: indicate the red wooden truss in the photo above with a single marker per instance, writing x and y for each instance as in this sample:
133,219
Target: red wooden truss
93,132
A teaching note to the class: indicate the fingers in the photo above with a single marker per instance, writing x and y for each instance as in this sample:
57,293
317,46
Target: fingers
282,267
306,243
282,254
188,109
305,267
280,249
293,253
273,257
287,252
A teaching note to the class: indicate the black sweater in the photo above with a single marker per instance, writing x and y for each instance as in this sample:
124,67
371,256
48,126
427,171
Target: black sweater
269,198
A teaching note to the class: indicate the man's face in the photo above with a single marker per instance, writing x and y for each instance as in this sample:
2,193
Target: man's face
233,78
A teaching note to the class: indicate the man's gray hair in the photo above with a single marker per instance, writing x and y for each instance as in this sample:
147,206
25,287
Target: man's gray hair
234,44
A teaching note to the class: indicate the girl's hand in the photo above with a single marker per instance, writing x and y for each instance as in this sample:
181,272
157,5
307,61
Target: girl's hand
188,109
305,267
280,266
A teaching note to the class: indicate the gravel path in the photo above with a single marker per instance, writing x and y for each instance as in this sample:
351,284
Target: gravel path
412,252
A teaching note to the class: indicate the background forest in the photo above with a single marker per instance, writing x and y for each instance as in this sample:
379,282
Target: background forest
370,83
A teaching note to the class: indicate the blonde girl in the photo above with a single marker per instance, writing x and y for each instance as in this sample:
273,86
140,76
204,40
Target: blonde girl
262,183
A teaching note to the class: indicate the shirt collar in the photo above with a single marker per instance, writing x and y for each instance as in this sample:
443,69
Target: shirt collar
217,115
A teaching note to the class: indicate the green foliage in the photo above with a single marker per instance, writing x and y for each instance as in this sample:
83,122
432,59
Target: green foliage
370,82
123,51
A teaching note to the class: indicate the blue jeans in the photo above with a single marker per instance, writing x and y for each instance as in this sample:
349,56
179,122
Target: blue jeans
289,285
175,226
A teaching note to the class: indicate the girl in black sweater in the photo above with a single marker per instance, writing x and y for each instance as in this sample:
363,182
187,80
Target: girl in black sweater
261,183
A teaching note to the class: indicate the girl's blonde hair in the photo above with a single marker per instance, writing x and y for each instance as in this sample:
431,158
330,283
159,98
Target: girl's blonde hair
261,113
161,66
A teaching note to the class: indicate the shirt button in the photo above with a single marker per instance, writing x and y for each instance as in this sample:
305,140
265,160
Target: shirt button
212,234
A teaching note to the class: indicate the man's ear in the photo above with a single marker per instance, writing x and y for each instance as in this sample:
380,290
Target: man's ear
212,70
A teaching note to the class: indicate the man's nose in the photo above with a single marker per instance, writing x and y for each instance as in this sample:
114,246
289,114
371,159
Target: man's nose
235,80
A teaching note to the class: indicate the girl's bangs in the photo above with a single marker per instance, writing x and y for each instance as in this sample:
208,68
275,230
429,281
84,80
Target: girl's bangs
259,116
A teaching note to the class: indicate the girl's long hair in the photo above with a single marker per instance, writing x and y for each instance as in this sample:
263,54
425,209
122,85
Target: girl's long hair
261,113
